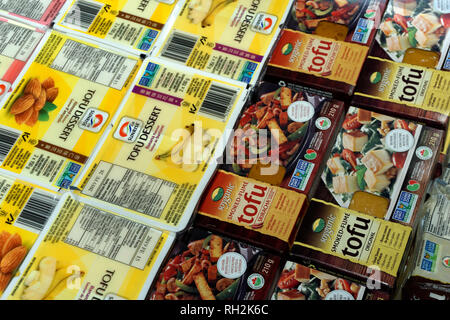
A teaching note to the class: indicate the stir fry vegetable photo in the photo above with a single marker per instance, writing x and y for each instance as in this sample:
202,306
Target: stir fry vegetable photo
362,159
266,133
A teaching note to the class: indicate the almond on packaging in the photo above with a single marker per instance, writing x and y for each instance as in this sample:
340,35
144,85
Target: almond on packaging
48,83
23,103
12,259
52,93
12,242
33,87
24,116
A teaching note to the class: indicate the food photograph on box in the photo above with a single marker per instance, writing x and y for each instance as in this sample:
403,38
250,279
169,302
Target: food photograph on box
255,151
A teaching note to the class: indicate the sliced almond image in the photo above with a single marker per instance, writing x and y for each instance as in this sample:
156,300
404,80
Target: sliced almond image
23,103
4,280
48,83
24,116
12,242
12,259
52,93
33,118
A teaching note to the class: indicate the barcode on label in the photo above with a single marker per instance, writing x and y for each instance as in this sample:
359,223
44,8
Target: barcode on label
8,138
179,47
37,211
218,102
82,14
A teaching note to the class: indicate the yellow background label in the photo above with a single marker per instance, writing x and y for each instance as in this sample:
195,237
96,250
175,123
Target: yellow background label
96,265
79,94
137,154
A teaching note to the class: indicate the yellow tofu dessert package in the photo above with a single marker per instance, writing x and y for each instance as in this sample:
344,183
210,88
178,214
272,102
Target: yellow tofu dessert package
86,253
132,25
163,148
232,38
54,117
24,211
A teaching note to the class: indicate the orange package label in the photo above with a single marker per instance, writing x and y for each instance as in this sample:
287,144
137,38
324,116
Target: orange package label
323,57
256,206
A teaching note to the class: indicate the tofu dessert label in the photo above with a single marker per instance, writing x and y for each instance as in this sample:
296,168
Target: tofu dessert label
58,111
158,157
231,38
90,254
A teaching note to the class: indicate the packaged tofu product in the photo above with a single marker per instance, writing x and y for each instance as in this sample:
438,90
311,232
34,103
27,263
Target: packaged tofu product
351,245
283,135
422,24
128,24
19,42
51,122
317,62
24,209
360,17
300,282
37,12
252,211
430,276
232,38
203,265
403,90
86,253
380,165
160,154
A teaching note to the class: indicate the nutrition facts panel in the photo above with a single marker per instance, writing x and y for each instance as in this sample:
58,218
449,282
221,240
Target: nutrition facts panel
93,64
17,42
130,189
439,224
113,237
32,9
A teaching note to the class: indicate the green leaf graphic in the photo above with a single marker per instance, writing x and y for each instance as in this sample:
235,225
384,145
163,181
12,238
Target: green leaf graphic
43,115
49,106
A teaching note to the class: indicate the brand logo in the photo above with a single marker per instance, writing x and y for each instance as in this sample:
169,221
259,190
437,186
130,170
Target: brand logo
264,23
310,154
446,262
413,185
267,23
128,129
370,14
125,129
93,120
375,77
318,225
287,49
255,281
323,123
217,194
424,153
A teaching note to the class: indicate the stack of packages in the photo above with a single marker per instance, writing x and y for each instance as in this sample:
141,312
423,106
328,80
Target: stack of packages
224,150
